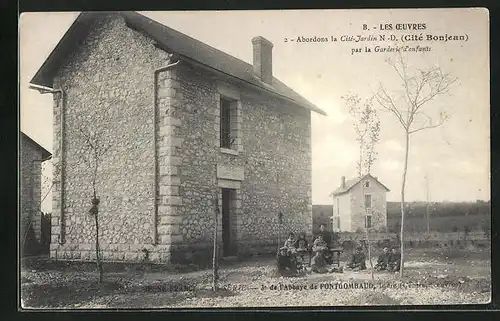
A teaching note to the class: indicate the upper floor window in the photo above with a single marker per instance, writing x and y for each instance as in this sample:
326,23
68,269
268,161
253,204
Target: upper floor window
368,201
229,117
226,139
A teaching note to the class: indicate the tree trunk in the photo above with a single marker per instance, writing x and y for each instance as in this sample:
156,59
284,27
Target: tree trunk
368,245
369,254
215,264
97,249
403,183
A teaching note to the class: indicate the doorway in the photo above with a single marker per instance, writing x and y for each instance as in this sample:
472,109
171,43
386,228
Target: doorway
228,223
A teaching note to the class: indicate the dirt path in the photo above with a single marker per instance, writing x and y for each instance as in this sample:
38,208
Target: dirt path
255,283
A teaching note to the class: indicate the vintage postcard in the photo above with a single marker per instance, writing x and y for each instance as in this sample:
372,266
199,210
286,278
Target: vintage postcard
288,158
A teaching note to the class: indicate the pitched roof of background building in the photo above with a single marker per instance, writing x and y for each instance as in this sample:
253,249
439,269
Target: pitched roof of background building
45,153
176,42
353,182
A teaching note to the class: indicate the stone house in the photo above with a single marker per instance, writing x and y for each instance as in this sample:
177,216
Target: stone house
359,203
31,157
185,124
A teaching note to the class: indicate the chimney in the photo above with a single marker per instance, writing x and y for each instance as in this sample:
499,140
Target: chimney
342,182
263,59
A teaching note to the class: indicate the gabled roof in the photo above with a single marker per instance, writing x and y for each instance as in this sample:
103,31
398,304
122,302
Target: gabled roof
46,155
349,184
170,40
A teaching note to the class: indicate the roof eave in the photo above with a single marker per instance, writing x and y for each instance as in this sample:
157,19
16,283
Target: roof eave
46,155
202,65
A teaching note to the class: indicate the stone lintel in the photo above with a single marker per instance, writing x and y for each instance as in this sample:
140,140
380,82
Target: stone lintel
235,173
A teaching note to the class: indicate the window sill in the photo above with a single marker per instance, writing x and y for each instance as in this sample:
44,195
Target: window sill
229,151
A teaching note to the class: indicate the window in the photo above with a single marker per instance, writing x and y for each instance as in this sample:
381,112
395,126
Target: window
367,184
368,201
336,220
368,221
225,123
338,206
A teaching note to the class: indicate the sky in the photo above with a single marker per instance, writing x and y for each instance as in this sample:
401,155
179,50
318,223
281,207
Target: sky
454,157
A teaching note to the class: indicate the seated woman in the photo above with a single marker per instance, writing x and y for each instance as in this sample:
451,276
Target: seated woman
301,246
394,263
358,260
383,260
318,263
287,262
301,243
290,242
321,246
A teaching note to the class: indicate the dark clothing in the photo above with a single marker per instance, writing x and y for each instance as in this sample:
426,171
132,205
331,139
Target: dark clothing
301,244
327,237
383,261
358,260
394,263
287,264
318,263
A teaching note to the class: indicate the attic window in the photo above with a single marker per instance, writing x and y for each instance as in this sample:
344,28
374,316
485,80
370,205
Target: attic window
367,184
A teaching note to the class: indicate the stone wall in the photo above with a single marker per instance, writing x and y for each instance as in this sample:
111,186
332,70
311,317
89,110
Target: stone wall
108,85
109,88
342,207
378,211
30,187
273,137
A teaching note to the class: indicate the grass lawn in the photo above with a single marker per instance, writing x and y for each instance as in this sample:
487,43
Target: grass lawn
431,277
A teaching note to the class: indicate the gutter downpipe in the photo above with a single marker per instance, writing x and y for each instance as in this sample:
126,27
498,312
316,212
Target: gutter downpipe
47,90
154,235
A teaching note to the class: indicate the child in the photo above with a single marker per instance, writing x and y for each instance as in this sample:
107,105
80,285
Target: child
394,261
358,260
290,242
383,260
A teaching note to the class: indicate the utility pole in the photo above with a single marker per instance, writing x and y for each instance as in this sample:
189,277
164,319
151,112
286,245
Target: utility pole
427,203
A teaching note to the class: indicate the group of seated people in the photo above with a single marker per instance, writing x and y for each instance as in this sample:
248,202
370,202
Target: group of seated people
321,258
389,260
298,248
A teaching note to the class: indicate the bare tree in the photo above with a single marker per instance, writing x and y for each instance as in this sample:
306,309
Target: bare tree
409,107
367,127
94,150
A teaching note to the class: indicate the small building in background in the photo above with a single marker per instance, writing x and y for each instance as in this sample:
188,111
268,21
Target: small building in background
31,155
349,214
322,214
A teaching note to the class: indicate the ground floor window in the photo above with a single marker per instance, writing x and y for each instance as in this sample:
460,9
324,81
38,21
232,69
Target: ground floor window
368,221
336,222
